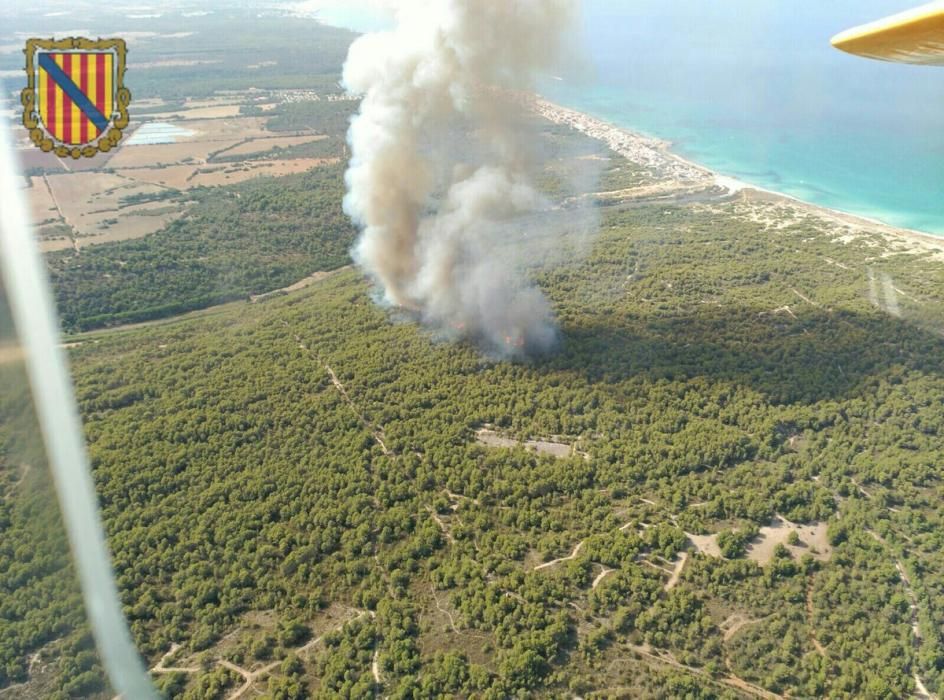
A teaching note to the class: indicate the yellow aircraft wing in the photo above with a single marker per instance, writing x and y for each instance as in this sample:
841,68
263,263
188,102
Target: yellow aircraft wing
915,36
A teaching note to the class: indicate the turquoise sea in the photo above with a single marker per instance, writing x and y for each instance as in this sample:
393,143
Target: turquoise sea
753,89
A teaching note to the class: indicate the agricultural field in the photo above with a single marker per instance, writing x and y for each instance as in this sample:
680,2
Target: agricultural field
178,177
199,112
102,208
215,108
110,203
264,145
168,154
232,173
182,177
42,205
34,161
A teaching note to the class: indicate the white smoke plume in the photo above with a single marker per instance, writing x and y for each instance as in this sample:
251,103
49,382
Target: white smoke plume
440,174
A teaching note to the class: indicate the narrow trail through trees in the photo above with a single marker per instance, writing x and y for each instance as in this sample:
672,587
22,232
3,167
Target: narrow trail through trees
555,562
251,677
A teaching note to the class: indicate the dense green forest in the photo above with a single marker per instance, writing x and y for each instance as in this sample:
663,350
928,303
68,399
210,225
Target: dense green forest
40,601
331,117
712,376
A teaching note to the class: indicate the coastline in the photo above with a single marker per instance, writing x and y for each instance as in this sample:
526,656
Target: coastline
656,156
647,149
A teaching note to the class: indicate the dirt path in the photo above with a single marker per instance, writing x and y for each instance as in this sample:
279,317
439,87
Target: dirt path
314,642
809,617
89,336
34,659
573,555
25,469
677,572
921,689
375,667
298,286
806,299
374,430
159,667
442,525
440,608
706,544
731,680
198,313
516,596
655,566
735,623
72,229
599,579
861,489
250,677
459,497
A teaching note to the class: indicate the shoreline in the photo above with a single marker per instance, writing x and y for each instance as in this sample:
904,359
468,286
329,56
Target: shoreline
655,155
615,136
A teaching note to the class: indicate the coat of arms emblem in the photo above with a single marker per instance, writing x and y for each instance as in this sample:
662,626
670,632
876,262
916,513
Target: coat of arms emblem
75,103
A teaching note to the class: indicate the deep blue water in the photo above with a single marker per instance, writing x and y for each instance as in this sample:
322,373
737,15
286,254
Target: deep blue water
752,88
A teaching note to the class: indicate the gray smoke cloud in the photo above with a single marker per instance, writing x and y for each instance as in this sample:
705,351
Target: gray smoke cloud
441,172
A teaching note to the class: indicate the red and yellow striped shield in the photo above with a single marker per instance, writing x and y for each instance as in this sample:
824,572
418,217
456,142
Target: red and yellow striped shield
75,103
76,95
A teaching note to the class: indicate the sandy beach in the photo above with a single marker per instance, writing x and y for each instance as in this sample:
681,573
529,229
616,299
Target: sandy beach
677,174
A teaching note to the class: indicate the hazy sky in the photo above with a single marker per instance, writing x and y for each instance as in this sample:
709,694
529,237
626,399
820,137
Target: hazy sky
743,49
